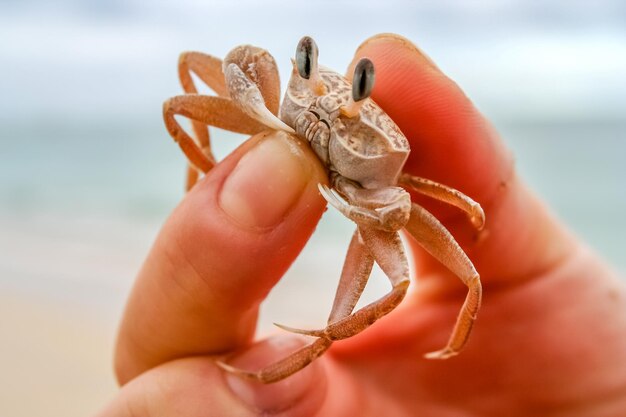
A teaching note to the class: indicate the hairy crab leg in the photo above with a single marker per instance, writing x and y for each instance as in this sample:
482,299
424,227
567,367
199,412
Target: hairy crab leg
438,241
214,111
354,276
388,251
447,195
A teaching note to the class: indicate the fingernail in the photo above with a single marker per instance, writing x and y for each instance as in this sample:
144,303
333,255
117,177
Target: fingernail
266,183
278,396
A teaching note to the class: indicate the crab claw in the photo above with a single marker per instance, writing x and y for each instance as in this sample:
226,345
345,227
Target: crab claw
330,197
444,353
314,333
247,96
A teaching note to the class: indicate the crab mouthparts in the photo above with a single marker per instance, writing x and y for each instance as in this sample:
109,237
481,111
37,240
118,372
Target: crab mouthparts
352,108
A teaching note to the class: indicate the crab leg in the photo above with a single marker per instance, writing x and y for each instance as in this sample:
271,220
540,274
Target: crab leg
214,111
284,367
447,195
354,276
261,68
356,271
378,231
209,69
388,251
437,241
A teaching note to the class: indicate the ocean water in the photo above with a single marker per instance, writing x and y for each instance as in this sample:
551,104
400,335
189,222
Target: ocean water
578,169
81,203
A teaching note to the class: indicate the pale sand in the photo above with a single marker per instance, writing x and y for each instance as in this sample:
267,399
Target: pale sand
62,290
55,360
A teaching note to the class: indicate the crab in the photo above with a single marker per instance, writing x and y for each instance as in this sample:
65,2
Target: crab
364,153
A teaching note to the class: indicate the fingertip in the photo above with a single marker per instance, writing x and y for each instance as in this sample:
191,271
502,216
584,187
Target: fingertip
267,182
398,44
252,215
451,142
454,144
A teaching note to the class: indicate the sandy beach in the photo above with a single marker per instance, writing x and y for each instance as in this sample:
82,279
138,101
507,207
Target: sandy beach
56,358
63,283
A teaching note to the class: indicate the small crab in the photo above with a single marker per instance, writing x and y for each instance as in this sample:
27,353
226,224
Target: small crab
364,153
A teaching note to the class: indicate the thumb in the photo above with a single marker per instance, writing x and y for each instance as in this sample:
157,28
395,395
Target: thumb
221,251
195,387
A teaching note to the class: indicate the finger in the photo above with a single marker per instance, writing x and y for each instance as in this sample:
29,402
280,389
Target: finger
196,387
452,143
219,254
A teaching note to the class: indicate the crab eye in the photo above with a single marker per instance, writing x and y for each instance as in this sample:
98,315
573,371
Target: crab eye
363,80
306,57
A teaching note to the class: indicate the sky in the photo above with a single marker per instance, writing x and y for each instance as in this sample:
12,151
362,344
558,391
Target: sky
103,60
82,85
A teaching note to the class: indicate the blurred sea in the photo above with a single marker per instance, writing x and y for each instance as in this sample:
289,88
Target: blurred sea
81,203
88,173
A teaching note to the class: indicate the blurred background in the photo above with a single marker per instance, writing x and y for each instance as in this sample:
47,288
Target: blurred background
88,173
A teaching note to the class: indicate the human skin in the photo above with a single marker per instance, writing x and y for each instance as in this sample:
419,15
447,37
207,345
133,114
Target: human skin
550,339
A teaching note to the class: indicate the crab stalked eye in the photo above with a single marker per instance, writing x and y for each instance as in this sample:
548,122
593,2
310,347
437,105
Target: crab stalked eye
306,57
363,80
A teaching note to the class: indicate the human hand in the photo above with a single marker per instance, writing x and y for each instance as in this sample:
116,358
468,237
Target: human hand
550,339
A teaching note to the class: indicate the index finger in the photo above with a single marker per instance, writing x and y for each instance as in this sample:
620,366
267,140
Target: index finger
452,143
